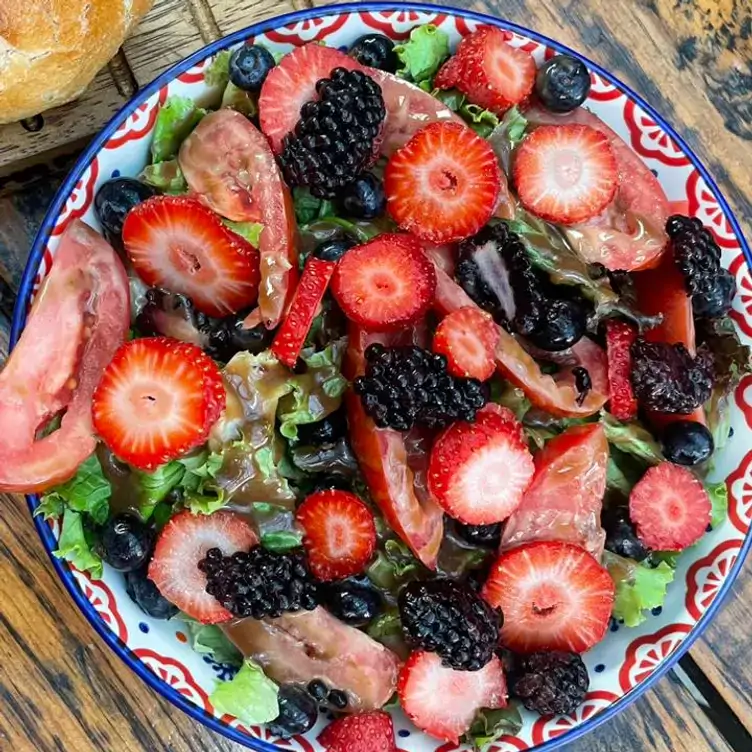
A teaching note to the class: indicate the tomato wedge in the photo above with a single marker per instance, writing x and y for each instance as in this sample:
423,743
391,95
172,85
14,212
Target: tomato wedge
383,458
228,163
79,318
558,395
630,234
564,500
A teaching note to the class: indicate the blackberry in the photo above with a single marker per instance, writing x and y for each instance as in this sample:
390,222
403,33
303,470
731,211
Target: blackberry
259,582
335,137
667,379
621,537
698,257
444,617
408,385
550,683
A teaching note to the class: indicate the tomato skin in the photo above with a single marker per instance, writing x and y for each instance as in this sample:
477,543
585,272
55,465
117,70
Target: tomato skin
383,458
79,318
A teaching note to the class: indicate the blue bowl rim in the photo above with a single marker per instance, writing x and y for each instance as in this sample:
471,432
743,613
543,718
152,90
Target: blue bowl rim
43,235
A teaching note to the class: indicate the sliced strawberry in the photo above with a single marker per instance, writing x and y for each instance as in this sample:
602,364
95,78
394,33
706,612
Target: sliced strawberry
443,702
478,472
468,337
367,732
177,243
489,71
444,184
306,301
157,399
385,284
670,508
554,596
565,173
340,534
619,339
181,545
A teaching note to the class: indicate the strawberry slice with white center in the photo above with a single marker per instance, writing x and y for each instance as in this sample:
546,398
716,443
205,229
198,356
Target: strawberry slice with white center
181,545
670,508
468,338
157,399
554,596
565,173
478,472
443,702
177,243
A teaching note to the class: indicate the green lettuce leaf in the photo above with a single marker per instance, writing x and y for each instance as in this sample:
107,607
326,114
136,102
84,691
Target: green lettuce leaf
282,540
309,208
393,566
387,624
491,724
718,493
507,395
632,438
483,122
422,55
218,72
88,491
209,639
205,503
74,547
250,231
154,486
669,558
251,697
452,98
165,176
177,117
643,589
240,100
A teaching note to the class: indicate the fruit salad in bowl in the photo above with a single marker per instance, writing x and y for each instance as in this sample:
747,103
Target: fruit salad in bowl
377,390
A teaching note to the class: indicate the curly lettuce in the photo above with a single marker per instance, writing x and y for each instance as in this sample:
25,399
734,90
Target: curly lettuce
422,54
250,696
177,117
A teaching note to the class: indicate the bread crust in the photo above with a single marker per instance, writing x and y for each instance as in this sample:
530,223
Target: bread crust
50,50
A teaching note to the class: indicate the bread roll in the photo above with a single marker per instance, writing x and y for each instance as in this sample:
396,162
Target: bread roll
50,50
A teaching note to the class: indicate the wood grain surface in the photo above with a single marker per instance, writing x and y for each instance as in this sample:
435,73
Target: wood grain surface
60,686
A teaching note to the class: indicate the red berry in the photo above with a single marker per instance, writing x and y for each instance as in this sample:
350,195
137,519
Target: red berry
367,732
478,472
619,339
340,535
444,184
442,701
177,243
565,173
182,544
157,399
468,338
670,508
385,284
306,301
489,71
554,596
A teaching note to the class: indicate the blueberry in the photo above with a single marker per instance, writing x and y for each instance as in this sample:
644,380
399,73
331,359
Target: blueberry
376,51
228,336
488,536
323,431
621,538
115,199
337,699
562,83
687,442
318,690
351,602
144,593
563,324
364,198
334,249
249,67
298,712
716,301
126,542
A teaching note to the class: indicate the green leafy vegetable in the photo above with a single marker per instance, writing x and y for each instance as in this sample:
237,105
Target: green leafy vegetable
718,493
669,558
165,176
282,540
632,438
507,135
393,567
483,122
251,231
643,589
154,486
88,491
507,395
251,697
240,100
177,117
218,73
491,725
387,624
209,639
422,55
452,98
309,208
74,547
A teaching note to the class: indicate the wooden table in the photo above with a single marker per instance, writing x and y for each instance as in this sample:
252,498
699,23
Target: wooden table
60,688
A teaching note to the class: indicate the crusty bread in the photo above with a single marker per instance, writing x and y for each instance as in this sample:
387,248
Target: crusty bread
50,50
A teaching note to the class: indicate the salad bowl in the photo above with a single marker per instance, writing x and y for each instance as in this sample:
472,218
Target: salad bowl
629,660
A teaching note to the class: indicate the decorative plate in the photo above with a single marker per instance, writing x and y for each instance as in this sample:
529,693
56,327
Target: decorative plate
628,661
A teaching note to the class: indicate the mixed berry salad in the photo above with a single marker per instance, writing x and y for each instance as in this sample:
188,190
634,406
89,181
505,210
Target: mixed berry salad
395,377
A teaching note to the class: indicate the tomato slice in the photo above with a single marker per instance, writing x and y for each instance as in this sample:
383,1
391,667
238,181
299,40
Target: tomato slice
383,458
630,234
79,318
229,164
556,395
564,500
